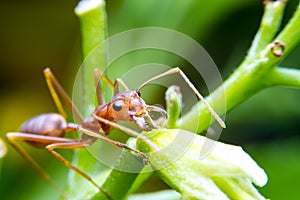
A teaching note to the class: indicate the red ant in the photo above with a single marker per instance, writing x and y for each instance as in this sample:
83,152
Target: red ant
48,130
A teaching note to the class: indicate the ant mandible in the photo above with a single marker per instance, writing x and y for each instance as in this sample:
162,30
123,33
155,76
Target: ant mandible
48,130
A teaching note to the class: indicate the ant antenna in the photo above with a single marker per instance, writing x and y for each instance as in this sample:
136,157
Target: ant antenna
190,84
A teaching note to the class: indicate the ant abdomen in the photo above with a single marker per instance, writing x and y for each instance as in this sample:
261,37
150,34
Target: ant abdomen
50,124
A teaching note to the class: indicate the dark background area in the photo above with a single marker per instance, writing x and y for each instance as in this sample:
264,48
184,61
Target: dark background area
38,34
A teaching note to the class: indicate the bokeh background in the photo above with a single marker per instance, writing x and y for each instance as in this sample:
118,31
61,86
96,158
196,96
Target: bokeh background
37,34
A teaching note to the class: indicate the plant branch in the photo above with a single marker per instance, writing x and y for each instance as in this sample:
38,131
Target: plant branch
290,35
281,76
248,79
269,25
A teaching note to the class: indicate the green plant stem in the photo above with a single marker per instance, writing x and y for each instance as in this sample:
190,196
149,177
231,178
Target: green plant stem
290,35
92,17
120,183
246,81
174,104
281,76
269,25
93,29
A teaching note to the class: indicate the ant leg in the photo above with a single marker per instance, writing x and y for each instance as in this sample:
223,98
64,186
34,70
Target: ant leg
98,87
73,145
12,137
50,143
190,84
97,75
116,86
118,144
130,132
55,87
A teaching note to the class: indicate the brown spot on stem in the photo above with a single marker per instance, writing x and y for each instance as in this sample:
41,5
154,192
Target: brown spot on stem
277,48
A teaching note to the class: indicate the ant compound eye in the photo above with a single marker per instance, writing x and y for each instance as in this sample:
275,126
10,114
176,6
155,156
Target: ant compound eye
117,106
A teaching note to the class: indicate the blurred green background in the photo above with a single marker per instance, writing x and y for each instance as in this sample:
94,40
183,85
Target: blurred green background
38,34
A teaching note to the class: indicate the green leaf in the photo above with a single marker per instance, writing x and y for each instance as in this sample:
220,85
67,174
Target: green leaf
164,194
200,168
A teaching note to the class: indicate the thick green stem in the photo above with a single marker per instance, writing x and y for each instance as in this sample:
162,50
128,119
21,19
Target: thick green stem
92,16
247,80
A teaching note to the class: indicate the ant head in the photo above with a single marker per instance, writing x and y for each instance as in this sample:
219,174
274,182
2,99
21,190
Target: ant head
129,106
126,104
